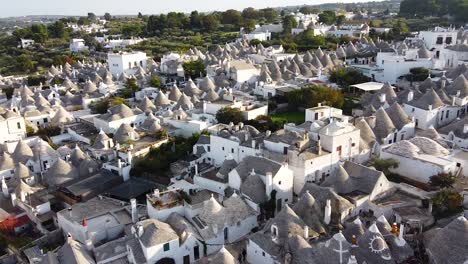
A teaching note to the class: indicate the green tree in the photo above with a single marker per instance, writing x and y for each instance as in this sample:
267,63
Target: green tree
442,180
155,81
289,22
91,16
311,95
250,13
384,165
447,202
270,14
308,10
194,69
228,114
249,25
107,16
39,33
345,77
25,63
232,17
210,22
327,17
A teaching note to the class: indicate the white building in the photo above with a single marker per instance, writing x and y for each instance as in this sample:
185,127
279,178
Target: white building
118,115
77,45
12,127
126,62
419,158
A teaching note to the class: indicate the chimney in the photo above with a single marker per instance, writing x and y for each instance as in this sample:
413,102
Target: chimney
327,215
140,230
133,205
442,83
204,106
306,232
129,155
13,199
410,96
4,188
268,133
465,128
429,107
383,98
402,230
352,260
429,208
268,184
354,240
319,104
196,169
156,193
22,196
253,143
319,147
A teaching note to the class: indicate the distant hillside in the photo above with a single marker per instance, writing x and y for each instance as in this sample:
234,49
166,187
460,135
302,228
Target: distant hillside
423,8
375,6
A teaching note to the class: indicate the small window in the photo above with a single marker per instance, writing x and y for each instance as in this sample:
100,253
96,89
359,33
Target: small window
447,114
18,125
458,164
279,183
232,150
440,40
223,148
45,120
263,253
209,148
166,247
353,144
448,40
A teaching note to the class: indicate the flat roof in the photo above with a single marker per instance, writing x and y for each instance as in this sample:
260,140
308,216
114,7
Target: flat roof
369,86
132,188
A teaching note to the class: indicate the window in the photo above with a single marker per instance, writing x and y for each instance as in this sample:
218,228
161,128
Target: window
209,148
166,247
458,164
223,148
196,252
353,144
232,150
447,114
18,125
186,259
263,253
402,137
412,110
390,141
45,120
279,183
448,40
440,40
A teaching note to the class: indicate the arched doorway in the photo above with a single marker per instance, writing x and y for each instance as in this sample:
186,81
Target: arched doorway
166,261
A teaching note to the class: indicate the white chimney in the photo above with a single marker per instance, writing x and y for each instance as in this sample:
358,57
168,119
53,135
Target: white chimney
306,232
253,143
430,107
196,169
140,230
89,245
402,230
268,133
268,184
4,188
352,260
383,98
13,199
327,216
156,193
22,196
133,205
465,128
410,96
